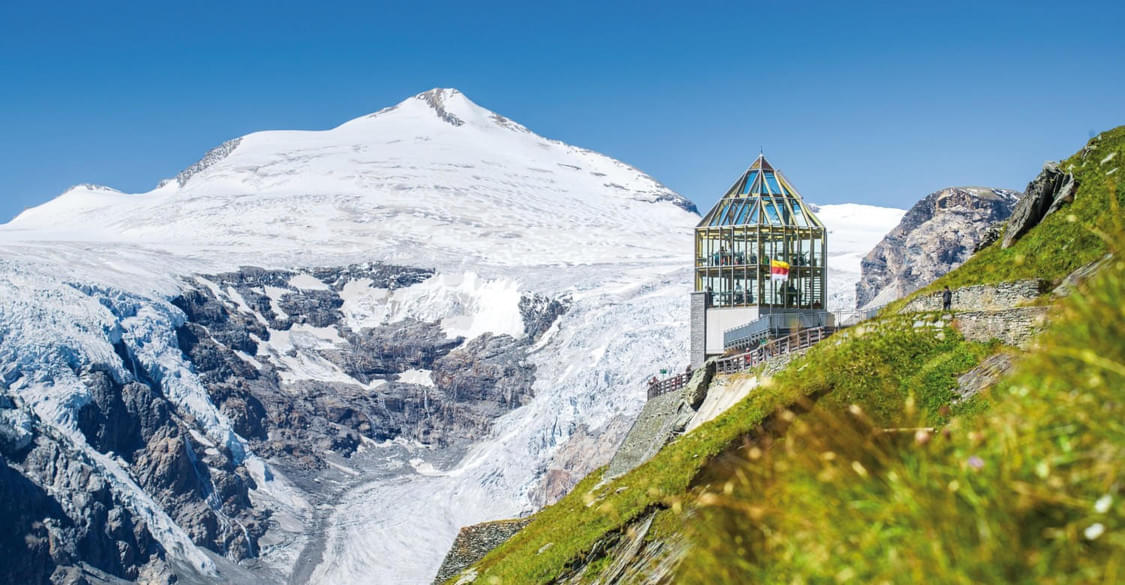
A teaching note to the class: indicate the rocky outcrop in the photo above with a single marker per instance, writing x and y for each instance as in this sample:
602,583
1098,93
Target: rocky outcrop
1075,279
301,383
470,383
937,235
210,158
984,376
62,520
990,236
696,389
473,542
1045,194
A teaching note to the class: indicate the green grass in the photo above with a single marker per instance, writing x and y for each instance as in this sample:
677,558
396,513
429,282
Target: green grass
881,367
1063,242
798,483
1029,490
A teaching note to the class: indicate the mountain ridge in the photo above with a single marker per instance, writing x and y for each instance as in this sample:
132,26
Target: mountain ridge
936,235
341,316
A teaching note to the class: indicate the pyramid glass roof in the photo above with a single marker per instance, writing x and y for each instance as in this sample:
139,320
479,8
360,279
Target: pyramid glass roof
762,196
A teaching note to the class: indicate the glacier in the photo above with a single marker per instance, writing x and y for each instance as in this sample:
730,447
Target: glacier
437,182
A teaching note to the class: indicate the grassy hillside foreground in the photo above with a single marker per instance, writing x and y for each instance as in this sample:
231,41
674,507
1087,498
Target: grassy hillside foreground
1029,490
802,482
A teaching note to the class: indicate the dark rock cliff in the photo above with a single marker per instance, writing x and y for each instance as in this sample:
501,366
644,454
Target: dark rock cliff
1045,194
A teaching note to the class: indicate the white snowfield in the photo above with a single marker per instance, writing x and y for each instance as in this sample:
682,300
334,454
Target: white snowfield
853,230
435,181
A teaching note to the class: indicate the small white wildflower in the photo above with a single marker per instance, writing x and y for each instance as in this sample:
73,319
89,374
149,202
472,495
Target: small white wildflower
1093,531
1102,505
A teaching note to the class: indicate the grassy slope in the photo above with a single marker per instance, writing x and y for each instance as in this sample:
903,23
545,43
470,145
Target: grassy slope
1063,242
1028,491
895,374
879,367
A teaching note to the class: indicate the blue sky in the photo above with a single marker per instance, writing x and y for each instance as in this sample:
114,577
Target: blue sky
869,103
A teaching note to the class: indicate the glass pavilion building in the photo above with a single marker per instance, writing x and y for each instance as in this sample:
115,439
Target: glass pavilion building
759,265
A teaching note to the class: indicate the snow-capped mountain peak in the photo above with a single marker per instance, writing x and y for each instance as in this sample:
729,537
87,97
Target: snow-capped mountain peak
388,261
434,179
449,106
428,262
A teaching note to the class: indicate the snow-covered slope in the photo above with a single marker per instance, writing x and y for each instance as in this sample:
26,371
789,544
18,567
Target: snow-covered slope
434,182
853,230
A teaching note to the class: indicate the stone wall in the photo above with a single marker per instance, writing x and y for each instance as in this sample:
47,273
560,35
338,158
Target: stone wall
473,542
982,297
1013,327
667,415
777,363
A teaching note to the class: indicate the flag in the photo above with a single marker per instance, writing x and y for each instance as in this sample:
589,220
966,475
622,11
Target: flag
779,270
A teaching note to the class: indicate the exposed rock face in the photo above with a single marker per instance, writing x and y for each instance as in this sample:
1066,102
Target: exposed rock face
937,235
1045,194
211,157
578,457
990,235
300,420
61,519
696,390
991,370
198,484
301,382
62,502
1077,278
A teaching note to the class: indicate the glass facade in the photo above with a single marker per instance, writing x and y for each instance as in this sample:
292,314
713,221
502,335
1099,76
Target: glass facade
761,218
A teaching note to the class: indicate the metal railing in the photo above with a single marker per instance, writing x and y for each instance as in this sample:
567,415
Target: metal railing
749,335
795,341
849,318
658,387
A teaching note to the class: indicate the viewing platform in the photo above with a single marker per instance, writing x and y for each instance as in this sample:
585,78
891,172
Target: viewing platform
741,362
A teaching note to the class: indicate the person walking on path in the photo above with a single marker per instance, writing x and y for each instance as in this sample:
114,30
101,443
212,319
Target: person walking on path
946,299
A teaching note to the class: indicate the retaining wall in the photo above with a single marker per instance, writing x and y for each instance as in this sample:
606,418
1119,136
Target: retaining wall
982,297
1012,326
473,542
